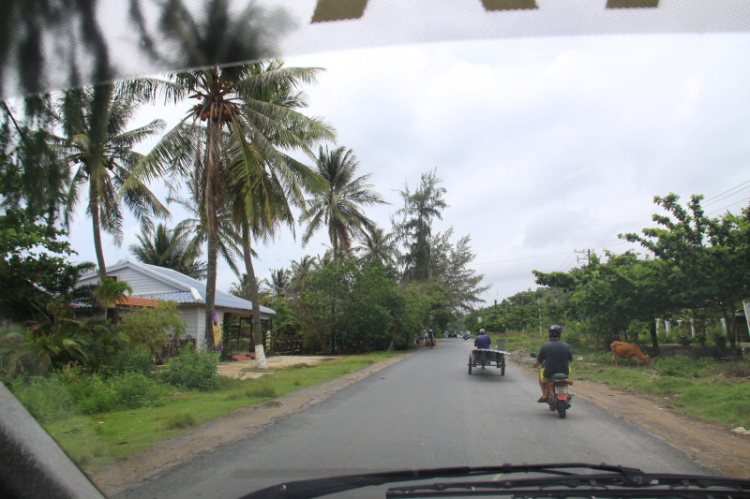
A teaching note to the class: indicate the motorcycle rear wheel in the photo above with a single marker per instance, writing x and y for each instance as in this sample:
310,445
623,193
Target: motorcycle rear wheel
561,408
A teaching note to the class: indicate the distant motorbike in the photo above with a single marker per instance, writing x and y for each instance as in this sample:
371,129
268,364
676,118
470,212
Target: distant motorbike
558,395
467,336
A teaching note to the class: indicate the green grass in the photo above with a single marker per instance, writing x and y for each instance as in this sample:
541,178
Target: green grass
95,441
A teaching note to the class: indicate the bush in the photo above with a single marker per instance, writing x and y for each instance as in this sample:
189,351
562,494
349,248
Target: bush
137,360
135,390
94,393
45,398
193,369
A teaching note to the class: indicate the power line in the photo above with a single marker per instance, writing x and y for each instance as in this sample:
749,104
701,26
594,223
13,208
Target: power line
719,197
732,204
565,262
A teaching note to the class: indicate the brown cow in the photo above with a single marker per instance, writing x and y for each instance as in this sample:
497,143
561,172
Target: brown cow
628,351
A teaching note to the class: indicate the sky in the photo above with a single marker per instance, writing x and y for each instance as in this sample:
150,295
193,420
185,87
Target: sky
548,147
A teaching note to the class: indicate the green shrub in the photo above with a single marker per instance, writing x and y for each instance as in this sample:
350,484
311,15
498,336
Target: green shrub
94,396
135,390
94,393
136,360
193,369
45,398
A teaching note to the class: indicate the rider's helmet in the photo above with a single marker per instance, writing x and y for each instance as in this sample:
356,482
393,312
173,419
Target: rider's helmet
555,331
481,331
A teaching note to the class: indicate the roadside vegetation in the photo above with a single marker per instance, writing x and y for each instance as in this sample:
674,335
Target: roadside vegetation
711,390
99,420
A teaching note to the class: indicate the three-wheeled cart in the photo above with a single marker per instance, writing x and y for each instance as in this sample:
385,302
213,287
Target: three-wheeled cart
481,357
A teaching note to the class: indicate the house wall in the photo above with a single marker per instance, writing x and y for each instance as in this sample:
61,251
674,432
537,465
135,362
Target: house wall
139,282
189,315
195,319
193,315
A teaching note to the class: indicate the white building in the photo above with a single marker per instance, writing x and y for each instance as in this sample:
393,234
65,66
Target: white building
150,281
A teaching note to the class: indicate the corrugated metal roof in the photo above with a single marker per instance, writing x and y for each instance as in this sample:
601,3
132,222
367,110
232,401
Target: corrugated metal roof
178,296
195,290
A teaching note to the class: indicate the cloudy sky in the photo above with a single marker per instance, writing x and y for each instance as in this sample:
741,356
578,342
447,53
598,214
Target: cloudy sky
546,146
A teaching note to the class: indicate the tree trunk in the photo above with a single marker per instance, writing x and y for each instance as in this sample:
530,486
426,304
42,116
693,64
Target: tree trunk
94,208
212,255
211,203
260,353
654,338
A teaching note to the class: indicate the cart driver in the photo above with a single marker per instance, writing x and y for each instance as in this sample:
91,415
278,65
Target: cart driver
482,341
555,356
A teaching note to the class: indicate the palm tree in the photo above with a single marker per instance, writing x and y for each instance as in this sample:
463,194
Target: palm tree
236,108
279,282
301,271
170,248
195,224
97,145
380,246
338,203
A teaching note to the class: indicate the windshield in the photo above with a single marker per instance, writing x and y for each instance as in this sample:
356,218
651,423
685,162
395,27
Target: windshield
287,242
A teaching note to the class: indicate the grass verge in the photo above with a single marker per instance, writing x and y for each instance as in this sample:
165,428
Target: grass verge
94,442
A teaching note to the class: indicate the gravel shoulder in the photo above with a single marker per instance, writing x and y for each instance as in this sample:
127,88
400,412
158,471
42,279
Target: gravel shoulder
712,446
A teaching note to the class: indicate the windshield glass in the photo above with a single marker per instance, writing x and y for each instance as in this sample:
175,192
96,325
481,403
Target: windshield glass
229,275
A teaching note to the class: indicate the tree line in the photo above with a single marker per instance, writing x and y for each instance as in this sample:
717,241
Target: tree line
230,162
697,268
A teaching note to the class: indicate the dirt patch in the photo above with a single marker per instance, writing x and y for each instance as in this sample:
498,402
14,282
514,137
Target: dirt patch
248,368
710,445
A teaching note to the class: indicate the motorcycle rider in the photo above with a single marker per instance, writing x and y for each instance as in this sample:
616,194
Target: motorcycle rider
555,355
482,341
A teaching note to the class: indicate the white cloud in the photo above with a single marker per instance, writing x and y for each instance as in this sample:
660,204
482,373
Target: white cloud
546,146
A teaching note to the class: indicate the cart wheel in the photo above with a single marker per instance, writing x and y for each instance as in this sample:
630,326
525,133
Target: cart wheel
469,364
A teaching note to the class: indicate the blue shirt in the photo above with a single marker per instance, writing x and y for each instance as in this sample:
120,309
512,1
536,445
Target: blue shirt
482,341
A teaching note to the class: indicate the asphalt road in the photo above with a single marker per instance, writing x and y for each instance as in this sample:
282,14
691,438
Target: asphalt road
423,412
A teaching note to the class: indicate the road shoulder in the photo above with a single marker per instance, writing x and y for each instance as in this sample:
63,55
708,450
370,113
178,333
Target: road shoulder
711,446
242,423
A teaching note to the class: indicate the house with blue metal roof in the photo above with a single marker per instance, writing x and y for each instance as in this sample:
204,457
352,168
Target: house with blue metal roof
150,281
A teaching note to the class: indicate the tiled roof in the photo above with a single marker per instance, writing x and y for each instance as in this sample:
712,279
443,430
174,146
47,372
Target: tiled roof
137,301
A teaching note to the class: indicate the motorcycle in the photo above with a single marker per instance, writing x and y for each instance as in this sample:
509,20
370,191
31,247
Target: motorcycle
558,395
467,336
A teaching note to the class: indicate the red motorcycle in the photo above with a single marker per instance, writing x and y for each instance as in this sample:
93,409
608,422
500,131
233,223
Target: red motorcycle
558,395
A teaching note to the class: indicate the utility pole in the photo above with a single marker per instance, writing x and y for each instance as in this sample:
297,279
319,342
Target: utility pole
586,256
539,306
